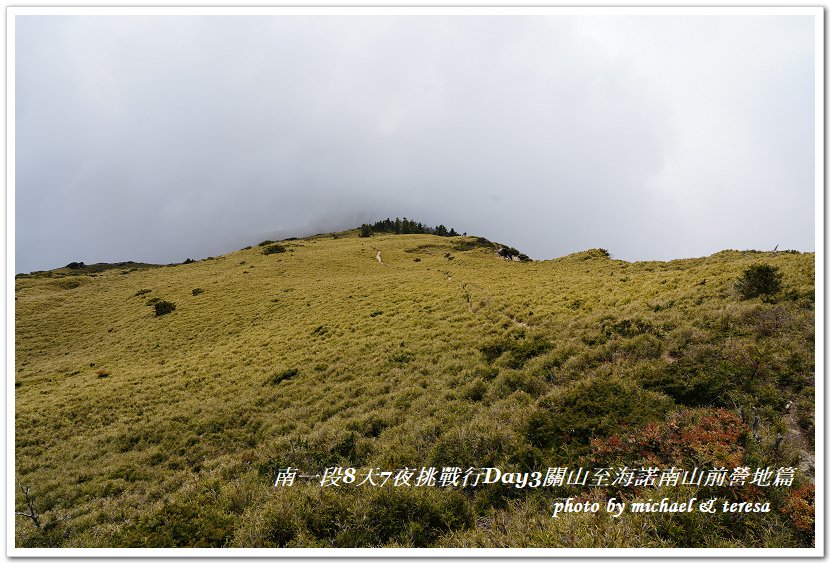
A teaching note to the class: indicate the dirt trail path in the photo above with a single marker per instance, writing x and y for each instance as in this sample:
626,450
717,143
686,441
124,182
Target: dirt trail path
484,303
796,437
517,322
378,258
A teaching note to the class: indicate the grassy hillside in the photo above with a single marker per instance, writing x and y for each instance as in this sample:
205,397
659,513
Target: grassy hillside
404,351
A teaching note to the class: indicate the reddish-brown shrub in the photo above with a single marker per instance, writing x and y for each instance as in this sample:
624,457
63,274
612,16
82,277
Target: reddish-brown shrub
687,438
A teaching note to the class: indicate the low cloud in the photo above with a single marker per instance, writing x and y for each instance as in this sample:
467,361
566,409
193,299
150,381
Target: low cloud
161,138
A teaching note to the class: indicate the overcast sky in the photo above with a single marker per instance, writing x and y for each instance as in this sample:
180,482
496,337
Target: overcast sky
163,138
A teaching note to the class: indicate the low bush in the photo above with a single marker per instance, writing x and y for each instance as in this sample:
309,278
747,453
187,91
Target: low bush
164,307
508,252
511,380
514,350
282,376
273,249
68,283
593,408
800,506
475,391
402,357
699,378
759,280
685,438
196,521
198,291
471,243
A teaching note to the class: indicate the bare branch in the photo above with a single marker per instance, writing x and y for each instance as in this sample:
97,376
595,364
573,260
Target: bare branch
32,515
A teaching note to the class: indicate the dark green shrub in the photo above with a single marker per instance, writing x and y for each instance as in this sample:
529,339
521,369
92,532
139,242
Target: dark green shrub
758,280
198,291
376,313
512,380
593,408
592,254
266,242
188,522
700,378
164,307
141,292
68,284
508,252
346,448
494,349
52,533
189,261
282,376
470,244
515,350
75,265
365,230
475,391
628,328
643,346
403,357
273,249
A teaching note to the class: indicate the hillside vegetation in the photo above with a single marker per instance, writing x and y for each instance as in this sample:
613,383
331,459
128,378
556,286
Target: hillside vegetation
145,426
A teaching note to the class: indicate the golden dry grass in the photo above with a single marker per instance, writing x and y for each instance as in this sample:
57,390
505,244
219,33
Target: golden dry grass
191,423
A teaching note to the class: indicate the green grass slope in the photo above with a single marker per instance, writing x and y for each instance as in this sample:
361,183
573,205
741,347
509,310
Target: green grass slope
137,430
